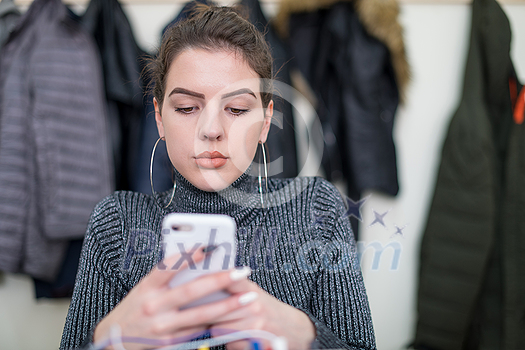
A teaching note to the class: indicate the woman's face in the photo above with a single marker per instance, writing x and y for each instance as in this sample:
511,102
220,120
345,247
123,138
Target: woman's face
212,117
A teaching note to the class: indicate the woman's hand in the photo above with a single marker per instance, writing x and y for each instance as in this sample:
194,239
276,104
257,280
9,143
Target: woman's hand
150,312
269,314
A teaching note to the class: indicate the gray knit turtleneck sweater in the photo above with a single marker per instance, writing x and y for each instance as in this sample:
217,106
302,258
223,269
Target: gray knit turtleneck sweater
300,247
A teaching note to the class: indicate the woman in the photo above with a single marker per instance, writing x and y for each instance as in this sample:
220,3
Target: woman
213,108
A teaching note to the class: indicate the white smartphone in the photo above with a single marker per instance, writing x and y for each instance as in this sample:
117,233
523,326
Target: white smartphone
184,233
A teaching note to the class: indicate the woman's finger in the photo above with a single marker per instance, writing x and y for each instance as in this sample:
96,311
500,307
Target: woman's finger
235,315
209,284
190,333
206,314
170,266
196,289
242,286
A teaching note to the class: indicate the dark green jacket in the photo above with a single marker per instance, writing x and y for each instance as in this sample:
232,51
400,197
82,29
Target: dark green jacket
471,289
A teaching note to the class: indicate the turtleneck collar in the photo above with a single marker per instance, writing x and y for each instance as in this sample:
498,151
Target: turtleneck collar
237,200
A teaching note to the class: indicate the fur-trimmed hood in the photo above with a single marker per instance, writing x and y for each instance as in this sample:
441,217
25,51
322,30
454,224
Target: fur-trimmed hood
379,18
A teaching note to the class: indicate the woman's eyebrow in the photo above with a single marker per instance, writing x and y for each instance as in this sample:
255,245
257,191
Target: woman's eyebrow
239,92
179,90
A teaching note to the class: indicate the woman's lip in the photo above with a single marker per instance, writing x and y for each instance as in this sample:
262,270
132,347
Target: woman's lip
211,160
211,163
214,154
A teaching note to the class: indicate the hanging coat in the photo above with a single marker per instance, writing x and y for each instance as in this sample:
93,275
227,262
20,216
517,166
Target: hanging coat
352,75
122,63
54,161
472,271
352,55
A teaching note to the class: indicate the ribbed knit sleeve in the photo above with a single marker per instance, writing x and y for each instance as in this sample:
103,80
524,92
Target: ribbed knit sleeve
339,304
99,285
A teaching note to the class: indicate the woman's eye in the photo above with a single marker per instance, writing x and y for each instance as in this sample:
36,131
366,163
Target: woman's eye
237,111
185,110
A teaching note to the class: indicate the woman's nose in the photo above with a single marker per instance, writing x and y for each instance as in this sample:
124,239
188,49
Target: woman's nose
210,126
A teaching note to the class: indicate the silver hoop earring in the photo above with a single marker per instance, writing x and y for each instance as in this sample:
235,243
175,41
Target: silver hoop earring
265,174
151,173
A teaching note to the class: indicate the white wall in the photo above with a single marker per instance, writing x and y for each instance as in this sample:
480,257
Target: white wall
436,37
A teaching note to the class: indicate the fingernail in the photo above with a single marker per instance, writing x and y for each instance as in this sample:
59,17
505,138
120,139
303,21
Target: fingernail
239,274
209,249
247,298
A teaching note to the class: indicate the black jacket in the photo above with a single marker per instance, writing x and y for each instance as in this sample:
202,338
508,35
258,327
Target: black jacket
122,63
352,76
472,276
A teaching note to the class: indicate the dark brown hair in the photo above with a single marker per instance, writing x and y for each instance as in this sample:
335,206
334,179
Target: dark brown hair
213,28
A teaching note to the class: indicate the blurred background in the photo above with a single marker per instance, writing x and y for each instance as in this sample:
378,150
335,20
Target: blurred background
390,222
